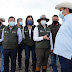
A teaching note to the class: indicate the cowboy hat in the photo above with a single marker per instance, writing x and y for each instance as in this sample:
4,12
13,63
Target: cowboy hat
64,4
2,19
42,17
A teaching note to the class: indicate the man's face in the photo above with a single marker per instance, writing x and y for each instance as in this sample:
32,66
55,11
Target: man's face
55,18
11,19
64,11
19,21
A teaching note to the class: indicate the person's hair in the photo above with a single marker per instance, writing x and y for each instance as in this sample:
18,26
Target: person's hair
27,18
70,10
55,15
19,19
11,17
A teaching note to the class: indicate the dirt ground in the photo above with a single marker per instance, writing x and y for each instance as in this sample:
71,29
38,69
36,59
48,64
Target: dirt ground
49,69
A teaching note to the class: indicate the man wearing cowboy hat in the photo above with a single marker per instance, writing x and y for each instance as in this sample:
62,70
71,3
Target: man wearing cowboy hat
43,38
63,42
1,48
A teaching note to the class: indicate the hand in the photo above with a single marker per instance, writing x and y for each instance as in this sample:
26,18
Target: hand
51,51
45,37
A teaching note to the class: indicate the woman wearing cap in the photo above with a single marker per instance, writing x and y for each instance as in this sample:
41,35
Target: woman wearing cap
29,43
43,38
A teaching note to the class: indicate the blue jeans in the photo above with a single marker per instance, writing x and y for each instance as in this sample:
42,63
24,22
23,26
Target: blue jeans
66,64
2,57
12,54
54,62
27,52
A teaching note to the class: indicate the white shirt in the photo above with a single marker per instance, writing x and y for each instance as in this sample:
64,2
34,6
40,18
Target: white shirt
21,35
63,42
29,33
36,37
18,33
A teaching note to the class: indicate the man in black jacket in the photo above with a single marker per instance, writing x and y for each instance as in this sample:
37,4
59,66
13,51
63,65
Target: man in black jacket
54,29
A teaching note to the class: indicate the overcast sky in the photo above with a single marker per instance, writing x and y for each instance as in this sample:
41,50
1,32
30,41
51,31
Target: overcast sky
23,8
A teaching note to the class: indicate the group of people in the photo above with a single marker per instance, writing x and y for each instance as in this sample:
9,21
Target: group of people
38,39
41,40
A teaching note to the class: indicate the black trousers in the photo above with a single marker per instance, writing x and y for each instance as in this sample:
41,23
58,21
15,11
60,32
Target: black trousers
19,50
12,54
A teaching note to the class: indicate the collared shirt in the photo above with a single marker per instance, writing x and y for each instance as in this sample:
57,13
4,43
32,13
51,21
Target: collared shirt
63,42
18,33
29,31
21,33
10,28
36,37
